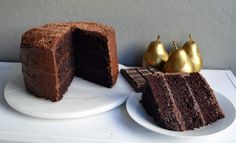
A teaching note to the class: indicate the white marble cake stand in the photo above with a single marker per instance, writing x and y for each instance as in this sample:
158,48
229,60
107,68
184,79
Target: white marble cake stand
82,99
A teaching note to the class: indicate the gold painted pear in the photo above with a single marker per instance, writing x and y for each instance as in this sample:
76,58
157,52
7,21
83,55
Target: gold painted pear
178,61
155,55
193,52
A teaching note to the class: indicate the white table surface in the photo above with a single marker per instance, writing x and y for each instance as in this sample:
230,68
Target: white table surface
112,126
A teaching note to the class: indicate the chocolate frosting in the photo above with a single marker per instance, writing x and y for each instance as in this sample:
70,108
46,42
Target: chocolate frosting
37,53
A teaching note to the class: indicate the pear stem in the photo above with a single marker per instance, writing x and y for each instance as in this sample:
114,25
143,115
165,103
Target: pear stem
158,38
175,46
190,37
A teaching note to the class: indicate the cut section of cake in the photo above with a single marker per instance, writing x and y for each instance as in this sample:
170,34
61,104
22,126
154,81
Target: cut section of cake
185,101
180,102
205,97
53,54
159,102
92,60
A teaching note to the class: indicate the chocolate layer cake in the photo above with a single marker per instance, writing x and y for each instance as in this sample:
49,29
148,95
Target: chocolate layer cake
180,102
53,54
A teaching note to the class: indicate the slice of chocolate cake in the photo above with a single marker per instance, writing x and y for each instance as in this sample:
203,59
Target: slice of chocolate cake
53,54
164,110
180,101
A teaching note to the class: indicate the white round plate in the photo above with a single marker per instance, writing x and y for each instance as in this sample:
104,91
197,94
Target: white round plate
137,112
83,98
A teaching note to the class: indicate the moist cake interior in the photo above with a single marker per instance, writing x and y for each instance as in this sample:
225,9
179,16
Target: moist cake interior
91,57
185,101
203,94
84,54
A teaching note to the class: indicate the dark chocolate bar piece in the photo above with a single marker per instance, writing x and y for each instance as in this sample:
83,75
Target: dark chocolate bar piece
136,76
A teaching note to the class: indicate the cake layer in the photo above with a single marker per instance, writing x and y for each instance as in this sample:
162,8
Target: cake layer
151,106
38,77
42,92
41,76
35,58
48,92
